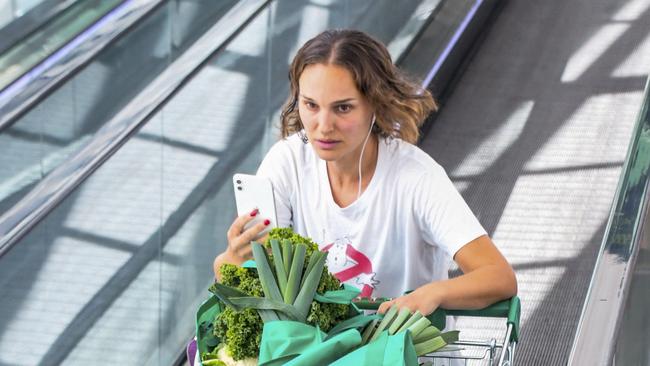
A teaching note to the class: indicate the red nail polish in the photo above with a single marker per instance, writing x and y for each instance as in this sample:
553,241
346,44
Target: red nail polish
254,212
267,222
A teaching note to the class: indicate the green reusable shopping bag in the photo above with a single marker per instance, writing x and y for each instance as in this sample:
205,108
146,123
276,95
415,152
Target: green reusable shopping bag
395,350
342,296
205,338
296,344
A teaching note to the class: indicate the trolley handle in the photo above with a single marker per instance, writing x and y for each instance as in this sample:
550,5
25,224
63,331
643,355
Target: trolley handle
509,309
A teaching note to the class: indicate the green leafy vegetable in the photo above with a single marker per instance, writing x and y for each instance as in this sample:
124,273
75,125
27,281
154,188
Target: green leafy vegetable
241,331
426,338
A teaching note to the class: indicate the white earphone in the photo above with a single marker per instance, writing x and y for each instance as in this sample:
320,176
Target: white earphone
372,124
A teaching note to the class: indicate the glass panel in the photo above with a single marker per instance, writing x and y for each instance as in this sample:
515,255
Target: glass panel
83,288
634,335
6,12
65,120
14,9
23,6
212,128
20,58
633,224
92,293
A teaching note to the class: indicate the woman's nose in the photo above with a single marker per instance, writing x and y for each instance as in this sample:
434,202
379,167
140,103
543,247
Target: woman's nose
325,122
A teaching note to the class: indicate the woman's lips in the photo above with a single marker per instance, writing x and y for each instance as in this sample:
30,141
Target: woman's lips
327,144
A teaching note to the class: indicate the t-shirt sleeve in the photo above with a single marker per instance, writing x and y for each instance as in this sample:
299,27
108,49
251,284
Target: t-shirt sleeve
444,217
277,166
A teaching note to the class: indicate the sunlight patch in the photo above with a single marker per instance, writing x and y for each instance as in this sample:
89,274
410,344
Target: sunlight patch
631,11
591,51
588,136
497,143
636,63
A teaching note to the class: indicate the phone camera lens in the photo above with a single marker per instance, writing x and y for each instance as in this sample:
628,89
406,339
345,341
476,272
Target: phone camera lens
238,181
239,188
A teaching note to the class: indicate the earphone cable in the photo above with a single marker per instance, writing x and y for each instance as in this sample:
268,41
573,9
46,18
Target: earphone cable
361,156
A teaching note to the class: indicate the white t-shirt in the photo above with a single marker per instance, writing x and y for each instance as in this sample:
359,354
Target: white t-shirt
399,235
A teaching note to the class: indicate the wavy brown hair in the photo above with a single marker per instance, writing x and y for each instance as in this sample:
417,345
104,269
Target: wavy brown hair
400,105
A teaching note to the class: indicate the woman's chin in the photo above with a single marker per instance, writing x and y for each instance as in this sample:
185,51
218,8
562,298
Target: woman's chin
327,155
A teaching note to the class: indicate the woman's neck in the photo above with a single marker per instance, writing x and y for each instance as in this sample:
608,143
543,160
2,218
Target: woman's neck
344,175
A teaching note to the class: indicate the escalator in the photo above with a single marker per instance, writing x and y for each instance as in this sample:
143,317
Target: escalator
110,251
537,136
107,246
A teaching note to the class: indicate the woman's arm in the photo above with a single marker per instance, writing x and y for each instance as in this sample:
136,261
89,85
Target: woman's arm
487,278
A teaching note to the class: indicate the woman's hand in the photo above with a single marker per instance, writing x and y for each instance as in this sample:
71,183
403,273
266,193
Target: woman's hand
425,299
239,249
487,278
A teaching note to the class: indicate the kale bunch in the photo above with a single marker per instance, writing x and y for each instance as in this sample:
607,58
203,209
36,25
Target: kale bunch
241,331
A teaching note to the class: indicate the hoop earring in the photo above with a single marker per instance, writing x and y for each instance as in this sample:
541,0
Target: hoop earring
303,136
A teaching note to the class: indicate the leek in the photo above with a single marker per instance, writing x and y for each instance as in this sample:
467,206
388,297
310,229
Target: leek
308,290
269,286
419,326
312,261
293,281
415,317
287,252
279,265
385,323
367,333
399,320
436,343
429,346
428,333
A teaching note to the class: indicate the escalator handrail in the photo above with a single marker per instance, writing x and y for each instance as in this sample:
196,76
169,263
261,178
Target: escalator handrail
62,181
596,336
48,75
33,20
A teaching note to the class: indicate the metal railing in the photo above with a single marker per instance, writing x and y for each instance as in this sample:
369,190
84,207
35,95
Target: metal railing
596,336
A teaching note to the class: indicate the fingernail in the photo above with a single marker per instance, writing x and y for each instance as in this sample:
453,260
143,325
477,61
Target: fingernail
267,222
254,212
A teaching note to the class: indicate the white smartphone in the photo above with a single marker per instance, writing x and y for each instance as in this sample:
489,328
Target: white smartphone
253,192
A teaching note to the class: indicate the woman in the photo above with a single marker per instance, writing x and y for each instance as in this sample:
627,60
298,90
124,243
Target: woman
347,175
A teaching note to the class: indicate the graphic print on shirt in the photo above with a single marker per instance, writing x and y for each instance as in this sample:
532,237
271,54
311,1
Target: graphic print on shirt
350,265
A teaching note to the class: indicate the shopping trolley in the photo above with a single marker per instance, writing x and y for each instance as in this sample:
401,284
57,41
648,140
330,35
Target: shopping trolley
501,351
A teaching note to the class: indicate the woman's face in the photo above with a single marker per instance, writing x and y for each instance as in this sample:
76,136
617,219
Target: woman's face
335,115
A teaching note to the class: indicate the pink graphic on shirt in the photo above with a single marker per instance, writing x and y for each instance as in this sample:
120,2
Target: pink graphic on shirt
347,263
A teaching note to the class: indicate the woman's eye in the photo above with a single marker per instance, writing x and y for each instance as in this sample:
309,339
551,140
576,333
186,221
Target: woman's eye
344,108
310,105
